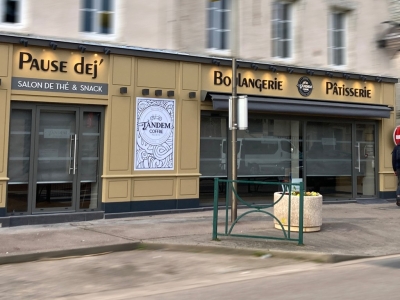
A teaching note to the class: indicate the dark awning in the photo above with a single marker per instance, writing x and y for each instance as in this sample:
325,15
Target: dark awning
315,107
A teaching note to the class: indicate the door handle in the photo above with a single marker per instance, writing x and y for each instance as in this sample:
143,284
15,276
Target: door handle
75,144
70,154
358,158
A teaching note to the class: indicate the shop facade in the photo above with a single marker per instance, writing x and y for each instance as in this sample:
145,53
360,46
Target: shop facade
89,130
336,143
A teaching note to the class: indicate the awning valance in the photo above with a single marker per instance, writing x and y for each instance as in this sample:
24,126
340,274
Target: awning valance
315,107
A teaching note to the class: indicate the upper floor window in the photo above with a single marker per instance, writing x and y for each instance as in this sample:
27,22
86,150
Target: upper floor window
337,39
282,21
10,11
97,16
218,28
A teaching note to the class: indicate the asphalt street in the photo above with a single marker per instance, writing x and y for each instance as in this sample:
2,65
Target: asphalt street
143,274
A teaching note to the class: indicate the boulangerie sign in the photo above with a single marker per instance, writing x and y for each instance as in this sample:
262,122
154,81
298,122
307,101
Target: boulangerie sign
155,134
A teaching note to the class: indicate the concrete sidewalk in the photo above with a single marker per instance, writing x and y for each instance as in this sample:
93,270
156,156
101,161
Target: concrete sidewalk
349,231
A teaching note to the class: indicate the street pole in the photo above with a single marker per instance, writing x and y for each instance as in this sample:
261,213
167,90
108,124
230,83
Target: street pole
233,129
233,141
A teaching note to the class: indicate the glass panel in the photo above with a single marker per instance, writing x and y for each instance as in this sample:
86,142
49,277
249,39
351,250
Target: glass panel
339,39
11,11
285,12
53,195
106,5
328,159
213,147
19,160
105,19
55,170
87,4
270,150
90,156
285,46
17,198
365,160
340,21
87,21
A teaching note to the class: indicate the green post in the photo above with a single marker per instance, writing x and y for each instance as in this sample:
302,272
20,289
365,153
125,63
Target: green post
301,213
215,214
289,208
228,188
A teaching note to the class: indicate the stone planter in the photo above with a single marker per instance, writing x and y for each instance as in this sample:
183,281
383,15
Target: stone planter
312,219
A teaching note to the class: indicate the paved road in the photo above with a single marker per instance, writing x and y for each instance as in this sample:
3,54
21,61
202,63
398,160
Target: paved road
177,275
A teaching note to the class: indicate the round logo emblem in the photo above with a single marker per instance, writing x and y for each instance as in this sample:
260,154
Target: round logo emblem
305,86
155,125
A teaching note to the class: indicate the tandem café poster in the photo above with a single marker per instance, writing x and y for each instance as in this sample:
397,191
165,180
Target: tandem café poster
155,134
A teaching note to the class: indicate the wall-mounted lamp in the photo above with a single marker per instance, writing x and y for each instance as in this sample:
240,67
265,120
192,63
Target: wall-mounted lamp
347,76
107,51
158,92
82,48
192,94
145,92
329,74
378,79
170,93
254,66
310,72
53,45
24,42
289,70
363,78
216,62
272,68
123,90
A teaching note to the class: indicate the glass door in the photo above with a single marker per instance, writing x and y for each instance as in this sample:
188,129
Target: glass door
328,159
56,159
364,161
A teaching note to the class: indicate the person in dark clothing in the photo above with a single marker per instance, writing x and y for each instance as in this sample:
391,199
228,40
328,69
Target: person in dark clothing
396,169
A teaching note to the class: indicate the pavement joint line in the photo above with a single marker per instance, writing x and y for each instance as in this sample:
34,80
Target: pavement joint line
83,227
105,233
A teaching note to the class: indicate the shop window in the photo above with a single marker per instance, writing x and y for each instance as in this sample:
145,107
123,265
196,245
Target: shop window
10,11
282,22
97,16
218,28
337,39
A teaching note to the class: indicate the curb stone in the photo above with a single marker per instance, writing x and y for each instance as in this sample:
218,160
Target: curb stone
101,250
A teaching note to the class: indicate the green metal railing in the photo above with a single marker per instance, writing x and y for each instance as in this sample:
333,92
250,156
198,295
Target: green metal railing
287,189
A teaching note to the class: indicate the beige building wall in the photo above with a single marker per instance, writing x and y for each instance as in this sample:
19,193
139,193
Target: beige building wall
121,182
5,92
181,25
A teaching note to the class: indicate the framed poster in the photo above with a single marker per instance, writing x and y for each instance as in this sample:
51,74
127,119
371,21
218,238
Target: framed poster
155,134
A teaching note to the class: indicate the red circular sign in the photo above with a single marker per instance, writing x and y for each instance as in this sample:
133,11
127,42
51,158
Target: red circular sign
396,135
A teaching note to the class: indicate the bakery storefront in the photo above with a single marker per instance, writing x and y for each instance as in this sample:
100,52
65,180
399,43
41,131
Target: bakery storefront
90,131
331,131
